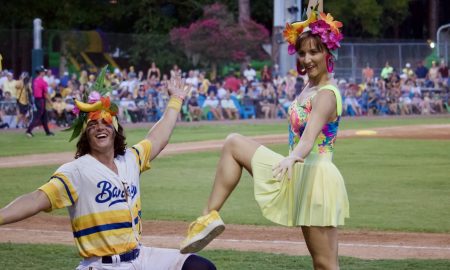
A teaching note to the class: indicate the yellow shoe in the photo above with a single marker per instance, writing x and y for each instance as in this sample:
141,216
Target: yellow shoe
201,232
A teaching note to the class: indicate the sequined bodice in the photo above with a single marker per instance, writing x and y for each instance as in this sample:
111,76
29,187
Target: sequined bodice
299,114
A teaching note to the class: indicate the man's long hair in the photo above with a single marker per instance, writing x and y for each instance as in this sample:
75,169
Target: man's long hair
120,144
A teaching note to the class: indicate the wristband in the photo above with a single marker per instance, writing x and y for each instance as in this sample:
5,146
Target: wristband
175,103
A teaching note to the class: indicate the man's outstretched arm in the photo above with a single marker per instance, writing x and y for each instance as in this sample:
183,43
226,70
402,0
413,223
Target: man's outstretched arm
24,206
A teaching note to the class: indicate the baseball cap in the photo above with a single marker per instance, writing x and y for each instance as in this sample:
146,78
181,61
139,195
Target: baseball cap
40,69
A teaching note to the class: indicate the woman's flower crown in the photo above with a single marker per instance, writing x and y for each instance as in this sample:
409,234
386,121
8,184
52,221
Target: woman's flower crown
93,106
320,24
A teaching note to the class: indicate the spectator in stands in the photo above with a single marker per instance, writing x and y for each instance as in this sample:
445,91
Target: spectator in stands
59,111
407,71
443,71
367,73
141,101
426,104
83,77
9,110
154,72
212,104
203,82
9,85
175,71
372,102
351,105
267,103
221,91
194,108
249,73
434,75
421,72
437,104
23,90
266,75
129,108
229,107
192,80
416,103
231,82
386,71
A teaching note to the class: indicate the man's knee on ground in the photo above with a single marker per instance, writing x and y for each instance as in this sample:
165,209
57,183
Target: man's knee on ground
195,262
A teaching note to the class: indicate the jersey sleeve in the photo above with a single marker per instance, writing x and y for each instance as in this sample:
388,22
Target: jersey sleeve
142,152
60,189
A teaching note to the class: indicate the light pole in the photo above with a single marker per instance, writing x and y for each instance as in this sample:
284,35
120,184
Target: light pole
442,27
37,55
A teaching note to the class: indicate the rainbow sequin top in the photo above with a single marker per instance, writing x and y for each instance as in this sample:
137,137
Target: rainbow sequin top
298,119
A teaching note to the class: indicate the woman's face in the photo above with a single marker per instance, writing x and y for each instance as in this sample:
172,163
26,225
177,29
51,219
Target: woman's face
312,59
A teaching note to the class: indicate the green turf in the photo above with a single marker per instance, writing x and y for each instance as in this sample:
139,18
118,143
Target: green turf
12,144
400,185
43,257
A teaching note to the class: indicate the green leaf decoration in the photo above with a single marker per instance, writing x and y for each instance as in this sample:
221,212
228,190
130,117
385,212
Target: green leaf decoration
99,84
114,107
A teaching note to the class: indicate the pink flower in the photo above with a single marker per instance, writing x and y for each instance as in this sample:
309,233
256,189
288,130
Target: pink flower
76,111
94,96
319,27
291,49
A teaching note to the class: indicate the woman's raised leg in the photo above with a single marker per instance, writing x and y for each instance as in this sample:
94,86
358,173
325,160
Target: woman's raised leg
236,154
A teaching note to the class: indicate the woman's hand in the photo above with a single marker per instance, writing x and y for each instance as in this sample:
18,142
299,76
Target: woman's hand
176,87
286,165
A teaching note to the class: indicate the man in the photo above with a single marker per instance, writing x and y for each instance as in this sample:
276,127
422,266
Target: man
100,188
249,73
41,96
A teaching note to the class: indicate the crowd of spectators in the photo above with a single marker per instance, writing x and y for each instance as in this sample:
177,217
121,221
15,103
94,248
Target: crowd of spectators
266,93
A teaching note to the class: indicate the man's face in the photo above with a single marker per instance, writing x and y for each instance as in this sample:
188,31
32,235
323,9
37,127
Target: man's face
100,136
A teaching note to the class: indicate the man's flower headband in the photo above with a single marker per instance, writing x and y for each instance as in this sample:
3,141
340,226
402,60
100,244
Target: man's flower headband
320,24
94,106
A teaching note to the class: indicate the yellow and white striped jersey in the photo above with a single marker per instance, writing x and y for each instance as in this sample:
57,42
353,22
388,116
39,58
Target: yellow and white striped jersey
104,207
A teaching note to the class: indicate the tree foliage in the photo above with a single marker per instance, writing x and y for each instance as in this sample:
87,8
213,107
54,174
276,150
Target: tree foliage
369,18
218,38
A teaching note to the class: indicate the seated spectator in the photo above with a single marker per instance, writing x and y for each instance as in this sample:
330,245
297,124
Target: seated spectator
417,104
229,107
128,108
266,75
141,101
426,104
59,111
212,104
351,104
267,104
193,107
372,103
8,108
436,102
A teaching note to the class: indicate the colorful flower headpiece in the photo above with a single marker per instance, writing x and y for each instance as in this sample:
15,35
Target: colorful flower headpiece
94,105
320,24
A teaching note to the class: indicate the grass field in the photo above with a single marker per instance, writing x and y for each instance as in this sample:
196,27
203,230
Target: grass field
59,143
44,257
393,184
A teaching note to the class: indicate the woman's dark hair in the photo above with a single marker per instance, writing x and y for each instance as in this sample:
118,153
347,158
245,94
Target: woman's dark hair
120,144
310,37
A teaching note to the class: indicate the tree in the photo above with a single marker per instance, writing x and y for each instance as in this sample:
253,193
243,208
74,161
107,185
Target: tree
216,38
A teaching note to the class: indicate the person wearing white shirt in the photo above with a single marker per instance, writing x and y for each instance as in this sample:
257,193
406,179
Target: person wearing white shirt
249,73
229,107
213,104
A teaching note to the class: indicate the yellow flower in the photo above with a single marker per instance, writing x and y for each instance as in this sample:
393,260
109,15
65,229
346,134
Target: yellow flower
292,31
334,25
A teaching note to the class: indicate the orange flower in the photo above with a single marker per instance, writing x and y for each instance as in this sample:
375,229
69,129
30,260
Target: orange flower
334,25
292,31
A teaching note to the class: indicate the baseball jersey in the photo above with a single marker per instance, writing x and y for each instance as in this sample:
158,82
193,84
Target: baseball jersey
104,207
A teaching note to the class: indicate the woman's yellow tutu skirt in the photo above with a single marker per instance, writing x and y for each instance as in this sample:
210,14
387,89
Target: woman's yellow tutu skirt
316,195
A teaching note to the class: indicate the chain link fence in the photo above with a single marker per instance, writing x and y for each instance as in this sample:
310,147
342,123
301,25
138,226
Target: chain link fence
75,50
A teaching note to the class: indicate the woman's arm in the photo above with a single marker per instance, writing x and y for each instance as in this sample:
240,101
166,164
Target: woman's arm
24,206
323,110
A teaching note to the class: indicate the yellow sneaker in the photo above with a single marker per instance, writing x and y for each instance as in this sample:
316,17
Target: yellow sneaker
201,232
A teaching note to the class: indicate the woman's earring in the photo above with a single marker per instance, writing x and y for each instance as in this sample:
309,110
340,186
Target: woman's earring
301,70
330,63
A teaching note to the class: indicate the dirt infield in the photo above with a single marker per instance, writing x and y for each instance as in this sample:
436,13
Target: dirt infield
45,228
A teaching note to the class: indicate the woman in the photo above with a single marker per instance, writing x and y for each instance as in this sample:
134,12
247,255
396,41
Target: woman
153,72
23,92
305,188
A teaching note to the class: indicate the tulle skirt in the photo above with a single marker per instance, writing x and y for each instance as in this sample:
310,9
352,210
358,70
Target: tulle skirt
315,196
